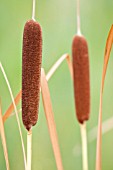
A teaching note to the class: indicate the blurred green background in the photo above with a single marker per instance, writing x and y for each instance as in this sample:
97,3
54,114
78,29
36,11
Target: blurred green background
58,21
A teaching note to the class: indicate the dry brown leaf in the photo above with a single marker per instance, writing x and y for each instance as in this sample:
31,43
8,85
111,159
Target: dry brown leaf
108,47
2,132
50,120
49,75
11,107
15,109
58,63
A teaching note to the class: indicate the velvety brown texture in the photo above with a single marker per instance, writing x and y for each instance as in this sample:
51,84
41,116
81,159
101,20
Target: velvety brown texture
81,78
31,72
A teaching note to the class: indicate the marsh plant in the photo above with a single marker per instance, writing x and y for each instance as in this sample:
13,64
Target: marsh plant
35,82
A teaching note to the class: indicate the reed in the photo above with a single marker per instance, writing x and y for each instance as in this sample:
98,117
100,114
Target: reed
31,73
81,83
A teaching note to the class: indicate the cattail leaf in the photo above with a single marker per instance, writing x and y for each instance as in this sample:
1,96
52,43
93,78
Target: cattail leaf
50,120
15,109
108,48
58,63
2,132
11,107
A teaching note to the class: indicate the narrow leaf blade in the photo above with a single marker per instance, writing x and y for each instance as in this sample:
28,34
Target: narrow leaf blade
2,132
50,120
108,48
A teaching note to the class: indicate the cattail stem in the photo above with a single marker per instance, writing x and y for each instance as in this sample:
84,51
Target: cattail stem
78,18
33,10
16,112
29,149
2,132
84,146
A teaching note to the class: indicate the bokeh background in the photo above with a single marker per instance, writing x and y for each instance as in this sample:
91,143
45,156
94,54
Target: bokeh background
58,21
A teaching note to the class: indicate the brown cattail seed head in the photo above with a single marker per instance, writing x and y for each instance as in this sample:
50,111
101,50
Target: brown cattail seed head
81,78
31,72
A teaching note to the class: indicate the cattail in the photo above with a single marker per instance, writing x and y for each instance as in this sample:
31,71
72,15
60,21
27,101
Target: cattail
31,72
81,78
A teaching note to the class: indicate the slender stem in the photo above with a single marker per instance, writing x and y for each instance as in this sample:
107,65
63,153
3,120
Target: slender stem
78,18
11,94
3,139
29,149
84,146
33,10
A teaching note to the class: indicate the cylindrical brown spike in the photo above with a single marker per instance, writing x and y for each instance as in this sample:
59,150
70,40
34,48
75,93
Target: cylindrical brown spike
31,72
81,78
